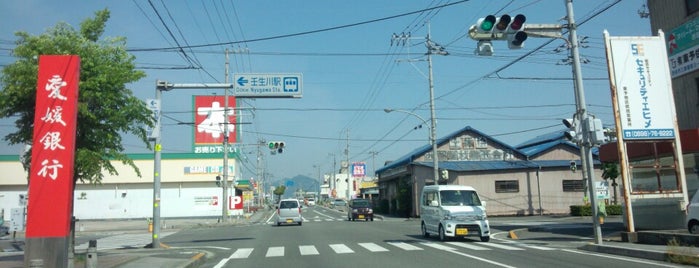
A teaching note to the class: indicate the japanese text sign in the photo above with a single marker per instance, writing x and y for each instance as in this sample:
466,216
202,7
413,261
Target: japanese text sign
53,149
209,119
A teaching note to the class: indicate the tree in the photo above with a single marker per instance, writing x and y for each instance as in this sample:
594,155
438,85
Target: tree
279,191
106,108
610,171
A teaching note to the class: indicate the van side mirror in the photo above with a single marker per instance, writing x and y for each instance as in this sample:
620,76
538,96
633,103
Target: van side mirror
483,203
434,203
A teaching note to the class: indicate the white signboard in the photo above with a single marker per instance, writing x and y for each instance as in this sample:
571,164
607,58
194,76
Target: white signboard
259,85
602,189
639,70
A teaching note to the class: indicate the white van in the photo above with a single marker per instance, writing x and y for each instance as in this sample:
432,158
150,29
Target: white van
453,211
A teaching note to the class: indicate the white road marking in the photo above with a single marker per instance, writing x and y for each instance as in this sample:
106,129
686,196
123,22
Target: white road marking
500,246
467,245
341,249
404,246
275,252
373,247
308,250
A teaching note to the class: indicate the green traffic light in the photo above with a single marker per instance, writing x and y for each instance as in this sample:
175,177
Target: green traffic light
271,145
487,23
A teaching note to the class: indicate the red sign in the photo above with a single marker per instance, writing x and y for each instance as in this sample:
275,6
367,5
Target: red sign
51,172
209,119
235,202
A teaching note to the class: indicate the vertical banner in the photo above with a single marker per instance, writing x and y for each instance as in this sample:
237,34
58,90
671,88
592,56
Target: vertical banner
51,172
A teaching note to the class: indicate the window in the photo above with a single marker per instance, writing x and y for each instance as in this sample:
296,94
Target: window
507,186
429,196
573,185
692,6
481,143
468,143
455,144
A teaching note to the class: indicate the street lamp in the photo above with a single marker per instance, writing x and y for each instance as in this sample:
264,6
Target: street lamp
433,141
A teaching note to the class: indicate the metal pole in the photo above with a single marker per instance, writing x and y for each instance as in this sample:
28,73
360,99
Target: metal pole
538,186
586,144
156,175
224,202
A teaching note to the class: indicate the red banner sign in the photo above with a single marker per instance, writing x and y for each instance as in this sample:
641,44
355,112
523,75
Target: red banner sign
53,147
209,119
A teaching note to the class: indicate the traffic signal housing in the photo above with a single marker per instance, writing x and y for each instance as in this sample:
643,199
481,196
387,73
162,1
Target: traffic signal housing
485,25
516,35
276,146
218,181
574,131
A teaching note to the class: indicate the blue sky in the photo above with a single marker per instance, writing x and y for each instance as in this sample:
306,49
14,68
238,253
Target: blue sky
351,70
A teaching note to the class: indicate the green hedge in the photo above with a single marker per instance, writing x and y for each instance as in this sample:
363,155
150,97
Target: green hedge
586,210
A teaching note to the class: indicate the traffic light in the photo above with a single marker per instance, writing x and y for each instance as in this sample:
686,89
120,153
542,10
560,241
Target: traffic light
444,174
574,132
218,181
516,35
485,25
502,23
276,146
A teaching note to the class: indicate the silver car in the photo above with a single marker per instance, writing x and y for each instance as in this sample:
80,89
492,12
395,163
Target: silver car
289,211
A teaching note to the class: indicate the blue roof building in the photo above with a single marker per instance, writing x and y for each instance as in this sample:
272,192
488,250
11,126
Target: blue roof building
538,176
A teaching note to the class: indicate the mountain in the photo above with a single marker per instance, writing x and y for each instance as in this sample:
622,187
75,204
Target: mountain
299,183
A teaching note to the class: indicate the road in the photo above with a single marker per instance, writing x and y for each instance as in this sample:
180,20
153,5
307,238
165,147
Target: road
327,239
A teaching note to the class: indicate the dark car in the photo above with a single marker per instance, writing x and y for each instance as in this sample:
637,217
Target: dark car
360,209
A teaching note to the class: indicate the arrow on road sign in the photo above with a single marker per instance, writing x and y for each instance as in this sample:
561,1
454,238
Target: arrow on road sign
242,81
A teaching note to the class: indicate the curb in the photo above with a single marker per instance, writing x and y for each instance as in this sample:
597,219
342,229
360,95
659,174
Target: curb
196,260
636,253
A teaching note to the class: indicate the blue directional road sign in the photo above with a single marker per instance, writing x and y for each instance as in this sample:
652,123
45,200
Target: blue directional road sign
259,85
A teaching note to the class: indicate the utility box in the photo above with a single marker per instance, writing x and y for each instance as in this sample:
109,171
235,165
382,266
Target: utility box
17,220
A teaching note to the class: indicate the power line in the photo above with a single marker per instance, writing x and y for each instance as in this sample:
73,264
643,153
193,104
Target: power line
300,33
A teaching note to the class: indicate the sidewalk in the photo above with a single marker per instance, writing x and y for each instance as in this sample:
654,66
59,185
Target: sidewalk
675,246
123,243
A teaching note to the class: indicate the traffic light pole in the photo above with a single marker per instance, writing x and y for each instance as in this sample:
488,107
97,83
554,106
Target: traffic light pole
586,143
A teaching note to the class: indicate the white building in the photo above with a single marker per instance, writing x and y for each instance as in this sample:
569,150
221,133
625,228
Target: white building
188,188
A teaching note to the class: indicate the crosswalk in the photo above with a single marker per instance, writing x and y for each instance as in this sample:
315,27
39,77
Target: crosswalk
372,247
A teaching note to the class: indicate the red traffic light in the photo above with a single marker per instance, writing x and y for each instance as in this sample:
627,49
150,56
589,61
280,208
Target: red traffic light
518,22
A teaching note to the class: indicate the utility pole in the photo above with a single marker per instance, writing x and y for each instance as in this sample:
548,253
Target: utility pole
224,202
432,49
581,107
349,178
373,161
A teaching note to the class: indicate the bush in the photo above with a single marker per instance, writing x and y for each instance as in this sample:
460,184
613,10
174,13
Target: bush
586,210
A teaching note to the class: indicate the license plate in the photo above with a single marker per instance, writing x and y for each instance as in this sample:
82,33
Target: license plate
289,220
361,216
461,231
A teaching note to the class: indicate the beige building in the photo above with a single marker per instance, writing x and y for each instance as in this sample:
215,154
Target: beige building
540,176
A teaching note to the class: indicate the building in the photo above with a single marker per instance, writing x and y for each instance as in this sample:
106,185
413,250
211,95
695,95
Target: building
188,188
540,176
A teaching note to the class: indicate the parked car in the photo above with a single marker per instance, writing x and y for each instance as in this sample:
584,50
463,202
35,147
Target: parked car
693,214
338,204
360,209
289,211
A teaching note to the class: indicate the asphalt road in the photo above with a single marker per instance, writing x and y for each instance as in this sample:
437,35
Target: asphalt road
327,239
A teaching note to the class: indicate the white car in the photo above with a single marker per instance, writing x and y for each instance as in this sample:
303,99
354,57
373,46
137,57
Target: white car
289,211
311,201
693,214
